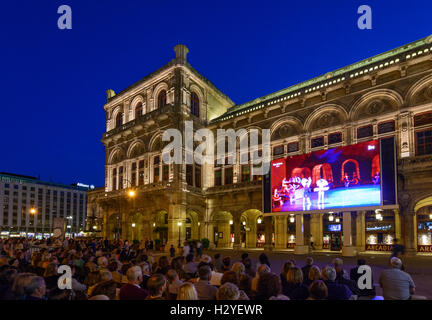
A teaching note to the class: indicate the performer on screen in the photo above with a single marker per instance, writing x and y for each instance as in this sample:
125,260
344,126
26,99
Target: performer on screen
346,180
355,179
277,200
306,183
376,178
322,186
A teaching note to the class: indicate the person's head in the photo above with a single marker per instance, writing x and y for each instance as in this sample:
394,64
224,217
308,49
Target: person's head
263,269
172,275
269,285
309,261
318,290
217,256
113,266
263,259
395,240
286,267
102,262
396,263
247,263
145,268
204,273
228,291
328,273
4,261
238,268
107,288
361,262
156,285
105,275
163,262
35,287
134,275
226,261
244,256
187,291
230,276
338,264
190,257
314,273
295,275
21,280
51,270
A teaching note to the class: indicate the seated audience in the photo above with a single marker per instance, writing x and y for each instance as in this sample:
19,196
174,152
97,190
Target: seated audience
318,290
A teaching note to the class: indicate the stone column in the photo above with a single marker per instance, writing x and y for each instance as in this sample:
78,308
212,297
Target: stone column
397,224
300,247
316,229
225,228
268,231
360,242
348,250
176,214
409,233
281,232
237,231
105,225
251,235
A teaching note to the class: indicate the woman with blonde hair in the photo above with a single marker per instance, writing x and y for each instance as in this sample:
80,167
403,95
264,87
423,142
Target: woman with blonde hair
20,282
187,291
295,289
314,274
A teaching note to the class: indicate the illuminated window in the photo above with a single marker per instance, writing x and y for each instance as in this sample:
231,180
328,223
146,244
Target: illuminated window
121,177
162,99
335,137
424,142
194,104
141,173
119,119
165,172
363,132
134,174
245,173
138,110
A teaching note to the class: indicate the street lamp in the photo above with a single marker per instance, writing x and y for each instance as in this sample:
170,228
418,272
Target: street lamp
32,211
131,194
179,225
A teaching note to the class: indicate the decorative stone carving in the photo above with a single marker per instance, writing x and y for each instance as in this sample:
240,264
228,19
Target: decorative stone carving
326,120
374,107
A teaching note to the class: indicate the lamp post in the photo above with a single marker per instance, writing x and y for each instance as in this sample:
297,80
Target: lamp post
32,211
179,225
131,194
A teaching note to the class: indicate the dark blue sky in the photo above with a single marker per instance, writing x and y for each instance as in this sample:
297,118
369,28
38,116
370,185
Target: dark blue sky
53,81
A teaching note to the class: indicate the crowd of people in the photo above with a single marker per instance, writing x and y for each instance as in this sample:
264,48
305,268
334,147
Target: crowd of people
107,270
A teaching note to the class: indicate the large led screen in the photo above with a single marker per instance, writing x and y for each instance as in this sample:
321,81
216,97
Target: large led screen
343,177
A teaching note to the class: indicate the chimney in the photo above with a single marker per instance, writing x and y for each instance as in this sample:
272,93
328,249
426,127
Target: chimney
181,52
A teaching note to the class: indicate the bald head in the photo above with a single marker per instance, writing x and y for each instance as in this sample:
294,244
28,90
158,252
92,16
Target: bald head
396,263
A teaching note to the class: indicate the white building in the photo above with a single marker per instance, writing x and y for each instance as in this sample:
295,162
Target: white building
28,204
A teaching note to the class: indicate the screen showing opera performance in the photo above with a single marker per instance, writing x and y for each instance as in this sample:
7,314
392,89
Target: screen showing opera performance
343,177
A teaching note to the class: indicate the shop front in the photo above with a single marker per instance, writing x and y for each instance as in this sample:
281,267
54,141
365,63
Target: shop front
380,230
332,232
424,230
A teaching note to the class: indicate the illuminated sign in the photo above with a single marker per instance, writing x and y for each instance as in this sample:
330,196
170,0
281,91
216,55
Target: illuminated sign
379,247
79,184
379,228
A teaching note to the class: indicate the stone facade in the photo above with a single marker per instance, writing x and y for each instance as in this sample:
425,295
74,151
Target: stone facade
389,94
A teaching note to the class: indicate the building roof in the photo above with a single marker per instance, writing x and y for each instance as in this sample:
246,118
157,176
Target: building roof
380,61
20,179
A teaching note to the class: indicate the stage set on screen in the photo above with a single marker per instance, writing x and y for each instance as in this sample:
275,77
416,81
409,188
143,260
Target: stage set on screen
343,177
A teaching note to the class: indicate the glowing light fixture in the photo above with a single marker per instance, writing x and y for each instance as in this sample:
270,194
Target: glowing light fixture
331,218
430,216
259,220
131,193
244,223
179,223
292,219
231,222
133,225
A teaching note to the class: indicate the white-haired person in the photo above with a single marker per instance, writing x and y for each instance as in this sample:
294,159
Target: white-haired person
228,291
132,289
397,284
336,291
215,276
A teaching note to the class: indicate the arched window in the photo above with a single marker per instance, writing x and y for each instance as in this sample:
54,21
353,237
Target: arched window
194,104
138,110
119,119
162,99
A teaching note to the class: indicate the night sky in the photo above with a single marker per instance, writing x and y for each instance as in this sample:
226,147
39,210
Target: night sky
53,81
